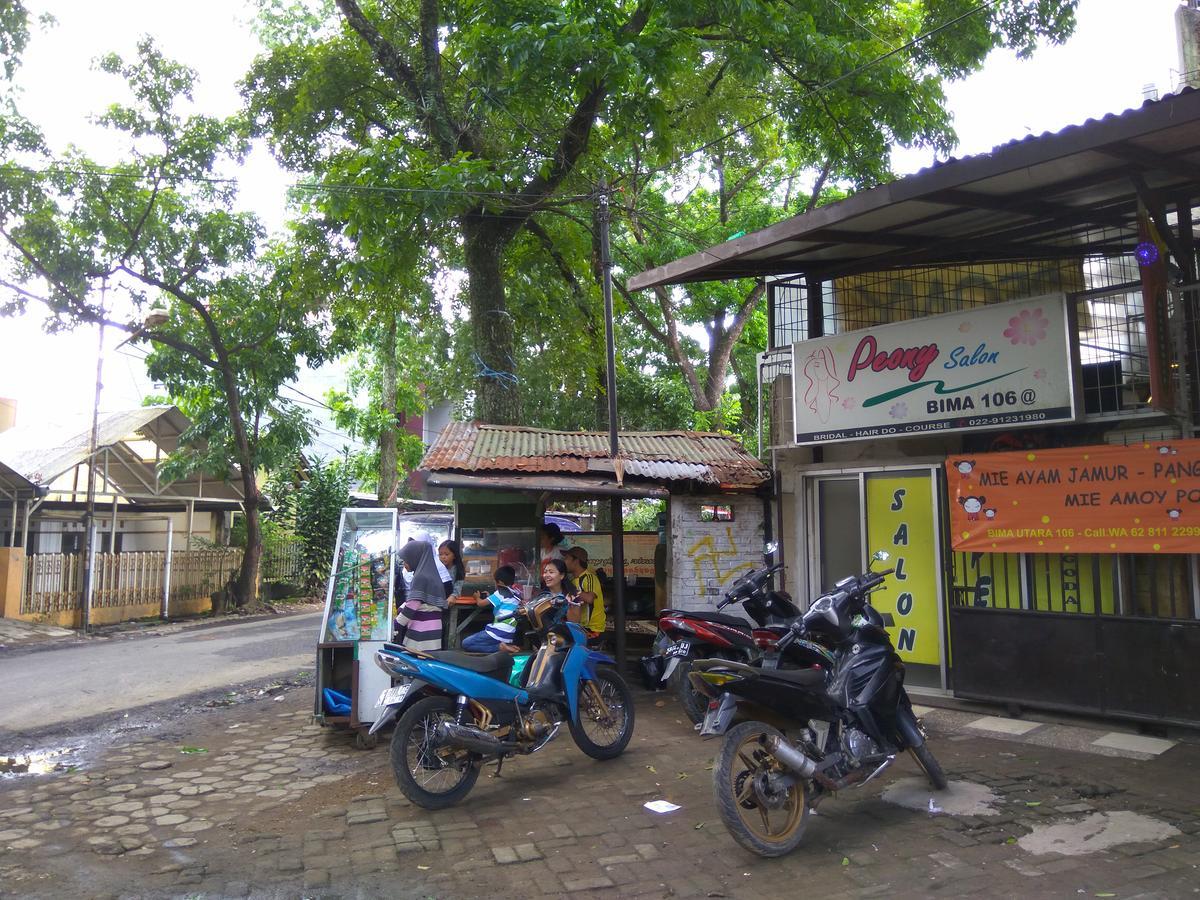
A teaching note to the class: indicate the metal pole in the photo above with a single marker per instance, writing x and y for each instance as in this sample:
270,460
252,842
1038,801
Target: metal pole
112,529
191,515
90,513
167,572
25,528
617,516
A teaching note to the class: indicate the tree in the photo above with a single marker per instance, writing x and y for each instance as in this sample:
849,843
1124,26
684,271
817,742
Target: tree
319,504
499,111
150,246
393,378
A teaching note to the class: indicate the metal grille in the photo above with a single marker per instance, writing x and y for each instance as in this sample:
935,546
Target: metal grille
1156,587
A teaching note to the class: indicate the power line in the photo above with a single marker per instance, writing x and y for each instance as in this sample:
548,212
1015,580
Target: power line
300,186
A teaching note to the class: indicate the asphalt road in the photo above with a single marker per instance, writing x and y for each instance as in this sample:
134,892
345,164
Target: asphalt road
54,687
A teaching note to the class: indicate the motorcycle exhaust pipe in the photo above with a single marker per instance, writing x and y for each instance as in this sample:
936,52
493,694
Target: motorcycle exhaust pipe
791,757
468,738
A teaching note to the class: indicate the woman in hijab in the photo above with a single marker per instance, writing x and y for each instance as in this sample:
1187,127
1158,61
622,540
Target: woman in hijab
421,614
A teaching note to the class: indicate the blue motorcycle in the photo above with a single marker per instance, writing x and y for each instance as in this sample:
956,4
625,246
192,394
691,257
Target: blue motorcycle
457,711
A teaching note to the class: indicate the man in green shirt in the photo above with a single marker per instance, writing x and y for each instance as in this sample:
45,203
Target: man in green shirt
590,593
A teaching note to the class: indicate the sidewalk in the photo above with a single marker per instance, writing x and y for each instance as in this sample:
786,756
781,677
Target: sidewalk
255,801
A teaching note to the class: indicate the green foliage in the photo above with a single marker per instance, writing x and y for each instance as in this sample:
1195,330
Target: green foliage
319,506
154,246
642,515
363,410
462,127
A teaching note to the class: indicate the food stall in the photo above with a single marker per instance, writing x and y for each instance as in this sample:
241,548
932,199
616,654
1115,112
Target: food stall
359,606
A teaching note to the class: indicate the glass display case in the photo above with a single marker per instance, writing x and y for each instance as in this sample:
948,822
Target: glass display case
359,607
358,602
486,549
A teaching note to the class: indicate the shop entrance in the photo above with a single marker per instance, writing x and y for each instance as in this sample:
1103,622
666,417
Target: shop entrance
853,514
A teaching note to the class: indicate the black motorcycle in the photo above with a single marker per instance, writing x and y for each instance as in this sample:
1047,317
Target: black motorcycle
847,721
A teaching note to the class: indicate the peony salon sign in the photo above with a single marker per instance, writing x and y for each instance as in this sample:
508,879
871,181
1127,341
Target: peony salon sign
1007,365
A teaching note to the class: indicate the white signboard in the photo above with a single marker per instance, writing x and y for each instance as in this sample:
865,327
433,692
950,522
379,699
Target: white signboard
1006,365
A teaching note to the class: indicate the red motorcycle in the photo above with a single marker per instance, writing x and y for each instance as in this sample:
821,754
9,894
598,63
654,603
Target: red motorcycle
685,635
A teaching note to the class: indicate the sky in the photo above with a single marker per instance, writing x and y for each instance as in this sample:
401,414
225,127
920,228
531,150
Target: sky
1118,47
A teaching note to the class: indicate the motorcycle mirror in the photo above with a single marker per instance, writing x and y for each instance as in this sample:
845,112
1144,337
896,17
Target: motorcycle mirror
769,550
881,555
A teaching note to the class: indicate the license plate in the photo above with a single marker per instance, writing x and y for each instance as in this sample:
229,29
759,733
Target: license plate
394,695
683,648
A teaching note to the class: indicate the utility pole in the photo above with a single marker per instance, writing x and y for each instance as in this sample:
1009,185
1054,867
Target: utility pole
85,603
617,516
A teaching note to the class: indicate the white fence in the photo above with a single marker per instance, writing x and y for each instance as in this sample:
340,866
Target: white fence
54,581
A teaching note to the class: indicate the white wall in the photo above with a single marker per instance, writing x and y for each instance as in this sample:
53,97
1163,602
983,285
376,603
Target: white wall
143,531
706,557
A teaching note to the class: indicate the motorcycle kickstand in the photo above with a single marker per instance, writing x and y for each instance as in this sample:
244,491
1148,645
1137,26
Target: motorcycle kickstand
499,764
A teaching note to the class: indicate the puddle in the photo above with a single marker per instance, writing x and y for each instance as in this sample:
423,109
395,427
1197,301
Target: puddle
961,798
1097,832
37,762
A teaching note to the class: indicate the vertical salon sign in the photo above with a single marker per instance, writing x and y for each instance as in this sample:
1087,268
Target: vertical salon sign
900,520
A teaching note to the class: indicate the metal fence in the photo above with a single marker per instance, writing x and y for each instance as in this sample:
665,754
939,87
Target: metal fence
53,582
283,563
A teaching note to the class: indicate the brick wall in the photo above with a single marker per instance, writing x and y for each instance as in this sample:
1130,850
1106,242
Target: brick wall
704,558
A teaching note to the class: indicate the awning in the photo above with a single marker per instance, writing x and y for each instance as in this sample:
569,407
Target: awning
580,485
1059,195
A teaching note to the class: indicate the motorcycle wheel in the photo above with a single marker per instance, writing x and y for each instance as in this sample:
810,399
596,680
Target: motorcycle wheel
930,766
694,704
430,775
603,730
769,825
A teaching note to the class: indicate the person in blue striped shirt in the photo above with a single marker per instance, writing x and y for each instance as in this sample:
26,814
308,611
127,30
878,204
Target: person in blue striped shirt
503,627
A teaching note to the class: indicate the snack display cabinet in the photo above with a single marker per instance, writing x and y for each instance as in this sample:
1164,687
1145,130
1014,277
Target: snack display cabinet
359,607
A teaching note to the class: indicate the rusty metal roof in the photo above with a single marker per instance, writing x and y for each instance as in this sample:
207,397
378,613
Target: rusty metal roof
675,457
1058,195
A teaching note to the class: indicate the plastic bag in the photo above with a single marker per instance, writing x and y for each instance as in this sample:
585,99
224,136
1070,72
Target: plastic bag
519,662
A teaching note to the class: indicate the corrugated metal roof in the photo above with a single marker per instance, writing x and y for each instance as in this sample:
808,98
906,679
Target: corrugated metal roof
42,452
660,456
13,485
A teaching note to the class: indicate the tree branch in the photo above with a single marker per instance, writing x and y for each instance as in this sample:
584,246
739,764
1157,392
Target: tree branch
389,59
574,138
818,187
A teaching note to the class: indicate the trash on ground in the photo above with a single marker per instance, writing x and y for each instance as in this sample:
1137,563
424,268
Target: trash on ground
934,809
661,806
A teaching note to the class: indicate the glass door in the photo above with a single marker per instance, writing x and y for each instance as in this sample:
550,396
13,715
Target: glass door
855,515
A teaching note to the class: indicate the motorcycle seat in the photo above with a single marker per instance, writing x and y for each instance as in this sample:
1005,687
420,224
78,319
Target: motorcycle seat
498,664
802,677
719,618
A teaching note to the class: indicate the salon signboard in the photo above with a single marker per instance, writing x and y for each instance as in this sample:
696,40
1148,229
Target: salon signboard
1005,365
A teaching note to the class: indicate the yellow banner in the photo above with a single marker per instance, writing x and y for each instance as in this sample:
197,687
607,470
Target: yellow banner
900,521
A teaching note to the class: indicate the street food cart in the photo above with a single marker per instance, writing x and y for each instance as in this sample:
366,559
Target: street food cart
359,606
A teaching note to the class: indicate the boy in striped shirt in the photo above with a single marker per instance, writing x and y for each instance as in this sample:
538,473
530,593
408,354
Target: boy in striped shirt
503,627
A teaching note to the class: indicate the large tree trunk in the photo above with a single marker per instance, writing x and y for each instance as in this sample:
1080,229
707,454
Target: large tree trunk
498,400
389,436
246,589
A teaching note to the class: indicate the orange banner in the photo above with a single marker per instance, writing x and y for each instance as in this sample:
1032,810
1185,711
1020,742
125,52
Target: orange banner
1139,499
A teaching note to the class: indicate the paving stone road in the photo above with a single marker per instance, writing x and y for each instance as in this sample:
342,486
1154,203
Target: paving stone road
274,806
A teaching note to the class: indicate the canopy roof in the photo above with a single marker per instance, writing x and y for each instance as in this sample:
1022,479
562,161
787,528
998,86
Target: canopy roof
1057,195
130,444
538,459
14,486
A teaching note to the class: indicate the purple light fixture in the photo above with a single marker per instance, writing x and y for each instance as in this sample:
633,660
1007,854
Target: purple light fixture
1146,253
